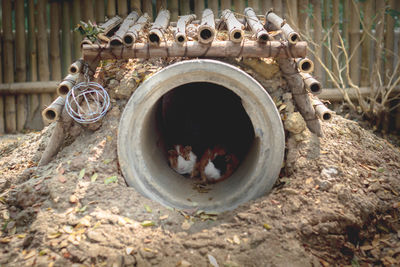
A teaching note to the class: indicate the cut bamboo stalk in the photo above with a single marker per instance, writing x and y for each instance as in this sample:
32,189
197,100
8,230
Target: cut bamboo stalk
32,55
28,88
305,65
8,64
266,5
99,10
122,8
354,32
366,44
66,53
389,44
77,37
327,58
318,47
160,25
291,6
43,59
255,4
255,25
198,7
335,36
53,112
148,8
300,95
87,10
136,5
195,49
55,41
110,25
129,21
173,6
76,67
111,10
66,85
206,30
379,34
180,30
22,112
235,28
346,20
292,36
303,16
323,113
160,5
1,114
86,41
213,5
133,32
20,41
238,6
278,8
226,4
311,83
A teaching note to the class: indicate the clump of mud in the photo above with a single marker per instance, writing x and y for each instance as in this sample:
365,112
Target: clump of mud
336,202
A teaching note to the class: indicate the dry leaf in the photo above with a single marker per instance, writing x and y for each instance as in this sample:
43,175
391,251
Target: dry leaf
236,240
147,223
111,179
81,173
186,225
164,217
148,209
5,240
30,254
53,235
212,260
61,178
73,199
267,226
128,250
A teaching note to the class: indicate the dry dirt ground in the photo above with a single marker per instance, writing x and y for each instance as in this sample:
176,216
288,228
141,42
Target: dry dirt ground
336,203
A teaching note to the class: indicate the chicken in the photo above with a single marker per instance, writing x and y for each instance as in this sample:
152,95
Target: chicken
216,165
183,160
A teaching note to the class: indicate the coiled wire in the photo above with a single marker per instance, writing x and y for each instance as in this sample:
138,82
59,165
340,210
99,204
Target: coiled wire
87,102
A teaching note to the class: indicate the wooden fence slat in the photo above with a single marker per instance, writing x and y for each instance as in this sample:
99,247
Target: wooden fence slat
354,32
198,8
173,7
43,59
136,5
255,4
1,114
303,16
55,60
327,24
87,10
278,8
161,4
317,26
66,41
346,20
291,6
377,66
389,44
77,37
99,10
213,5
122,8
8,64
238,6
147,7
111,10
335,36
366,45
226,4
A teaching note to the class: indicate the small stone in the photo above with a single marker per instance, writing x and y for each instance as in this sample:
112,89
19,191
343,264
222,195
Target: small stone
295,123
73,199
184,263
324,185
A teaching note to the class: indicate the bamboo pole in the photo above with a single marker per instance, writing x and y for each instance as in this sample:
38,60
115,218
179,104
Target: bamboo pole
335,36
122,8
292,36
66,85
291,6
266,5
110,25
303,16
379,34
206,30
389,44
311,83
317,23
226,4
148,8
255,25
346,20
235,28
323,113
76,67
20,60
66,52
77,37
195,49
133,32
129,21
136,5
255,4
278,8
55,41
327,24
1,114
160,5
8,64
173,7
300,95
32,44
213,5
238,6
99,10
160,25
87,10
44,73
53,112
111,11
198,7
184,7
305,65
335,95
366,44
354,32
180,30
28,88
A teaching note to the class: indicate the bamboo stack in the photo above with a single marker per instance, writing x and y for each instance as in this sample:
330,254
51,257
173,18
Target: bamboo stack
235,28
180,31
206,30
129,21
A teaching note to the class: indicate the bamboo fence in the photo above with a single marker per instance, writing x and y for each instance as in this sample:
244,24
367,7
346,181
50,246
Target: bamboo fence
38,42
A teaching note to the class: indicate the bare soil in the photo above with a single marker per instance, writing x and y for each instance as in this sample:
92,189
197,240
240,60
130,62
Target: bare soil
336,203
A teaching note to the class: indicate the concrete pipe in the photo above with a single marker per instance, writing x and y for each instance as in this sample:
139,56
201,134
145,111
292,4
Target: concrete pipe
141,143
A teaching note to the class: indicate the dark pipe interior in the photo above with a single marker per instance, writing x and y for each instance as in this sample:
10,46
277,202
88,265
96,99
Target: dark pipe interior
181,39
306,65
205,34
315,87
50,114
203,115
115,42
128,39
154,38
237,35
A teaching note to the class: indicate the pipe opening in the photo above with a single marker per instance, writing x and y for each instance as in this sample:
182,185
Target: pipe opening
204,117
294,38
50,115
63,90
128,39
153,38
327,116
315,88
237,35
206,34
73,70
306,66
263,37
181,39
115,42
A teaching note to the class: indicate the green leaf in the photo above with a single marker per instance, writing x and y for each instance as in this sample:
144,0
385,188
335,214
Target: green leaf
81,173
111,179
380,170
148,209
93,178
147,223
106,161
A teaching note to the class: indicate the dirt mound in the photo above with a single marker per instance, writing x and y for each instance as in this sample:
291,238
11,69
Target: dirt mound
337,201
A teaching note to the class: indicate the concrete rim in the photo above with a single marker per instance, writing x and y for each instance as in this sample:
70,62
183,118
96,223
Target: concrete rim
137,149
